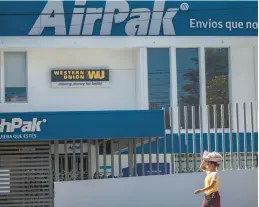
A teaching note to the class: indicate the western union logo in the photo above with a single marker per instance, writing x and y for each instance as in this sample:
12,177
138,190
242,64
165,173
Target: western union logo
80,75
95,75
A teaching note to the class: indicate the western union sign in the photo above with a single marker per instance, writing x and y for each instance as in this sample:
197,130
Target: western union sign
80,78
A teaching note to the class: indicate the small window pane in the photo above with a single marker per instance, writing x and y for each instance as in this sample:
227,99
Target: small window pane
188,84
15,77
217,85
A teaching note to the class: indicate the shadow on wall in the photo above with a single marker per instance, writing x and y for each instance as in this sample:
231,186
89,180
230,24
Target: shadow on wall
164,190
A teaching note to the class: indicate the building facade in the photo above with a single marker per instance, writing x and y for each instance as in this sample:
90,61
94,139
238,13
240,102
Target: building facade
75,73
154,60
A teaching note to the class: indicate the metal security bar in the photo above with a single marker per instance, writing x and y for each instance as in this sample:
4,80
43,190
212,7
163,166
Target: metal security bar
70,160
229,129
25,174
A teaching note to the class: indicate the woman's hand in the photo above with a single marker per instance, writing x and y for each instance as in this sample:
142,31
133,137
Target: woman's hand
197,191
203,166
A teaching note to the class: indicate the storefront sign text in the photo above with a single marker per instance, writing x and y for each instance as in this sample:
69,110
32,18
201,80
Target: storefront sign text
129,18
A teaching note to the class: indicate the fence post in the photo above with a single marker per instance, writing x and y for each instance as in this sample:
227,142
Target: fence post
194,138
56,160
135,157
208,122
230,119
112,157
104,159
81,160
150,155
245,136
89,159
201,131
172,140
97,158
237,137
223,135
186,137
142,158
252,134
130,157
165,152
51,185
215,127
179,139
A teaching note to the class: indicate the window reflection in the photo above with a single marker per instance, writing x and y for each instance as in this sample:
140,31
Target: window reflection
15,77
159,79
188,84
217,87
15,94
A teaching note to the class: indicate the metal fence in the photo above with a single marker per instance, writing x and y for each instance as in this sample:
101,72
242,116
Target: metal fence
228,129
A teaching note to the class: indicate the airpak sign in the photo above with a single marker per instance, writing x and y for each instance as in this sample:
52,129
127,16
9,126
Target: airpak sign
18,128
80,78
128,18
139,21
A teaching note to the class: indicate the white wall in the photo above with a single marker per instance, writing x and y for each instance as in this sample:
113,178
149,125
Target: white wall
123,42
243,84
237,188
41,97
129,70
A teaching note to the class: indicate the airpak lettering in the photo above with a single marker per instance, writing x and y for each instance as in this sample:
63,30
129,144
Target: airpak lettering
19,124
138,21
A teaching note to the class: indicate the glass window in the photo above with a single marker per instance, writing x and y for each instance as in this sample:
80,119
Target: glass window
15,77
159,79
217,86
188,84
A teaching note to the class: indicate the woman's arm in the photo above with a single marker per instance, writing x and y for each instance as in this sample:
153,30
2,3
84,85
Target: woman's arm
202,166
207,188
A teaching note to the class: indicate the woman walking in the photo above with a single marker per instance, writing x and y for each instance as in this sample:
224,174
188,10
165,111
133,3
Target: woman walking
211,184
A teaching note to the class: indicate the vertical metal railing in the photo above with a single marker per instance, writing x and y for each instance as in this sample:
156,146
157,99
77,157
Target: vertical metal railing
51,187
223,135
208,128
230,136
89,160
172,140
142,158
96,175
179,139
237,137
186,137
201,130
229,129
245,136
194,139
252,132
150,155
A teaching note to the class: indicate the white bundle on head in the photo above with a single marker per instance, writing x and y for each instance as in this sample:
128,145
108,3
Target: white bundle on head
212,156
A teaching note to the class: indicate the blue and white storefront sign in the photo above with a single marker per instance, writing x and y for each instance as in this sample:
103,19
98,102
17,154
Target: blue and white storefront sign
128,18
81,125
